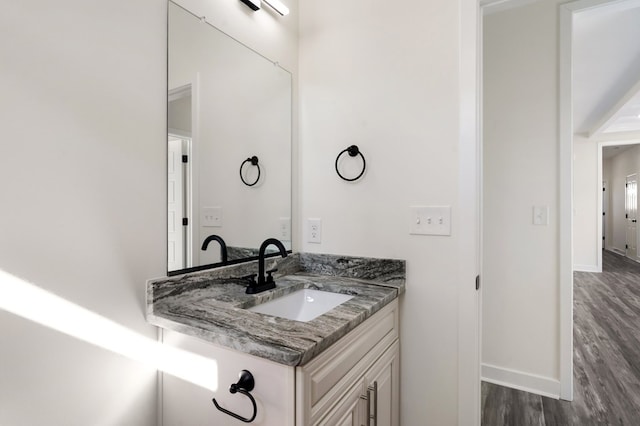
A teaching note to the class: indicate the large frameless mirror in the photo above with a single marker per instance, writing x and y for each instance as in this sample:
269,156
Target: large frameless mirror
229,147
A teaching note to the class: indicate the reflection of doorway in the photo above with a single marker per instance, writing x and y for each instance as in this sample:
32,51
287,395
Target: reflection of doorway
631,210
177,203
180,185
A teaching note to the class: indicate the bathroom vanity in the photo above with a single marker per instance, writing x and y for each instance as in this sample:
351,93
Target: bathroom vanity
340,368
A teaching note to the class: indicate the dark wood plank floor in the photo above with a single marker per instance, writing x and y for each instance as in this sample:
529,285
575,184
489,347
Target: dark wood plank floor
606,358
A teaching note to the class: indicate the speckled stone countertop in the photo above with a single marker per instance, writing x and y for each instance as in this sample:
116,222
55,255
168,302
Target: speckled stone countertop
211,305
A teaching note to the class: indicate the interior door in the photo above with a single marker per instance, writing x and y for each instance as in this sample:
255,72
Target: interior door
631,213
176,247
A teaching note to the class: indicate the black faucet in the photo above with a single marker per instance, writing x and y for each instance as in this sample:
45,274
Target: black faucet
267,283
223,246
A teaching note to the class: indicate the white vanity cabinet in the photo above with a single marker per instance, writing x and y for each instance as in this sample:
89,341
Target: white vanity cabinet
358,372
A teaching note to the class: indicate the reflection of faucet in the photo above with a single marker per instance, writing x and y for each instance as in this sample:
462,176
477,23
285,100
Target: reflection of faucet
265,283
223,246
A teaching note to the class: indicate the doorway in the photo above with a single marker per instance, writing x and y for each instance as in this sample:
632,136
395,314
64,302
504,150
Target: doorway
180,183
631,210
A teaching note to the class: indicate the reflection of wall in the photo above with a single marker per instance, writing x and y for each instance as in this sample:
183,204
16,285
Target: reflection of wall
521,286
244,109
179,116
83,178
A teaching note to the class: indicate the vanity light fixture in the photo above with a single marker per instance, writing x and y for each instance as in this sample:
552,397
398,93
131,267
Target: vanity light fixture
253,4
278,6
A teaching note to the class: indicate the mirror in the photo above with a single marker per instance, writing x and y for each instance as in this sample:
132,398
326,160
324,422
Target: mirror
226,105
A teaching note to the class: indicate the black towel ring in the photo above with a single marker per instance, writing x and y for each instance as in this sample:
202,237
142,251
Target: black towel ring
352,151
244,385
254,162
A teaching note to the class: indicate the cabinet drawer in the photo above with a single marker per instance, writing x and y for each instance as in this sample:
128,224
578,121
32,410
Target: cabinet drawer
324,379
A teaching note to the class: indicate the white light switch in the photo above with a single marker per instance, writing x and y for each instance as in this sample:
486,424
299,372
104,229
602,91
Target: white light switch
541,215
314,231
211,216
430,220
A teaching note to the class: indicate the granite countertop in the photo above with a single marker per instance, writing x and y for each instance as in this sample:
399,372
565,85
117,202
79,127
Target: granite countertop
211,305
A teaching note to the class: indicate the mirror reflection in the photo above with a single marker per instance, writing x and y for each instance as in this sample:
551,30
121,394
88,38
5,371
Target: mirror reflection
229,147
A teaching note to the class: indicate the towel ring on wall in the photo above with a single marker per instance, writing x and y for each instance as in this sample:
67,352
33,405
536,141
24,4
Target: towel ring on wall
254,162
245,384
352,151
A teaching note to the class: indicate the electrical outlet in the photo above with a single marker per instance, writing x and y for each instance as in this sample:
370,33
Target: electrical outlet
314,231
284,229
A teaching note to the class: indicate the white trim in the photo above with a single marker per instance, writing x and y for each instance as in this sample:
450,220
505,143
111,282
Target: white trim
515,379
607,118
617,137
179,93
616,250
587,268
495,6
566,189
468,214
566,203
194,179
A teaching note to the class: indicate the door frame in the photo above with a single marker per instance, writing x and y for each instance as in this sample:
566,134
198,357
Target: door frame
626,209
567,12
601,146
191,87
468,250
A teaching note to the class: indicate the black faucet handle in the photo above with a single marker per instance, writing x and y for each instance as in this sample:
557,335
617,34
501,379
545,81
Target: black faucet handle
269,272
251,278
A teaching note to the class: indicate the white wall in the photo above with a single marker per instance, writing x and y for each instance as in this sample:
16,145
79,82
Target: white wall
520,267
82,177
586,215
387,80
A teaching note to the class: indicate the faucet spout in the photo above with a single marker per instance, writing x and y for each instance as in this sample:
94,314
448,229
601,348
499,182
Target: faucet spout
265,283
223,246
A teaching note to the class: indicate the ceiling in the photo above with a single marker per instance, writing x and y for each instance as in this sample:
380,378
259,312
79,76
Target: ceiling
606,69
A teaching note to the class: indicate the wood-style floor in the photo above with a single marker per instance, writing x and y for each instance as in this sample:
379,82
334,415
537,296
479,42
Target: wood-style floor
606,358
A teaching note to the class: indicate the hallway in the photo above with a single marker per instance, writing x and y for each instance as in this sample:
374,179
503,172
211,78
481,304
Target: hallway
606,358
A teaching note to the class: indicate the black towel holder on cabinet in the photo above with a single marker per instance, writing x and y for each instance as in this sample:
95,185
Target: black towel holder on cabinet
353,151
245,384
254,162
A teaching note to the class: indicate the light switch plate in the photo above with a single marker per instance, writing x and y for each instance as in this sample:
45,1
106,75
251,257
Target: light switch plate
211,217
541,215
430,220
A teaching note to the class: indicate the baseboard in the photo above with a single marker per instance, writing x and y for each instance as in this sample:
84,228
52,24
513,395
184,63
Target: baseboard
586,268
617,251
532,383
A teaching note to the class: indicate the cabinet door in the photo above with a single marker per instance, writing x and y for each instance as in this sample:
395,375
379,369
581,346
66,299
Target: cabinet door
186,404
348,411
382,384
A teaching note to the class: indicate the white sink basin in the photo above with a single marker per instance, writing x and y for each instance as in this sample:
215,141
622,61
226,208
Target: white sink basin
302,305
